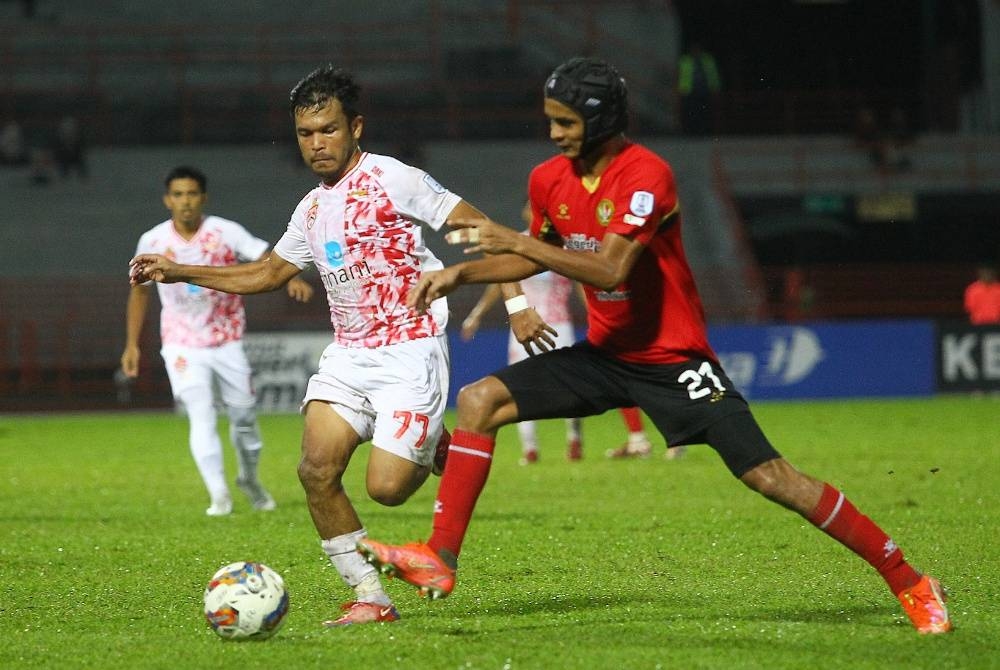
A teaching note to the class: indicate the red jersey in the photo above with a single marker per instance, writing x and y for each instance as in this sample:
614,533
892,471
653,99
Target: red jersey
655,315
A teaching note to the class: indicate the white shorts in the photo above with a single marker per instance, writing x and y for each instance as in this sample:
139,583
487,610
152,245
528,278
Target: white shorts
565,337
227,365
394,395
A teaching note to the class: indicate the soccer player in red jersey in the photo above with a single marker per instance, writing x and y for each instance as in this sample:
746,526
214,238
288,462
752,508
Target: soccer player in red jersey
605,213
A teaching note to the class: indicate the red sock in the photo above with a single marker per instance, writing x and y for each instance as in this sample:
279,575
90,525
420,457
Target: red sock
469,459
633,420
838,518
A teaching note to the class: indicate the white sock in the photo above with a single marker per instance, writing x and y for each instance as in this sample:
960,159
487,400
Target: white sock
244,433
354,570
572,430
637,439
529,438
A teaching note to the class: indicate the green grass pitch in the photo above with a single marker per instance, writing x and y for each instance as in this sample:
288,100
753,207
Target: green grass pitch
105,550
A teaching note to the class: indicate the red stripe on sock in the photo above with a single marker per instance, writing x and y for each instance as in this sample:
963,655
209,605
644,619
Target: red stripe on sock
463,480
836,516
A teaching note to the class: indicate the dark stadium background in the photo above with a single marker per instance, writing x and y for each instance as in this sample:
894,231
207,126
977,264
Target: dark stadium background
786,220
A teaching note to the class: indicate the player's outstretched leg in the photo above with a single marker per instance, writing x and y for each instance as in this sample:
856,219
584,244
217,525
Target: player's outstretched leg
414,563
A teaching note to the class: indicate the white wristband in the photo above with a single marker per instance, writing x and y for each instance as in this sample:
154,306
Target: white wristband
516,304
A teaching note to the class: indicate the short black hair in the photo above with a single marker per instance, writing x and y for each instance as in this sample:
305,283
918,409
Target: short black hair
187,172
323,85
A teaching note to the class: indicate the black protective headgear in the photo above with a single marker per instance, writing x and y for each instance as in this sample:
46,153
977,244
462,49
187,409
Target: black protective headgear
595,91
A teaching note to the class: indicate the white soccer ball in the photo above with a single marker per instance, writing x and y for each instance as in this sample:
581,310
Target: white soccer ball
246,601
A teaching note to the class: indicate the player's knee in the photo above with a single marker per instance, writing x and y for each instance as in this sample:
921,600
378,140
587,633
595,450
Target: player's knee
394,487
198,404
243,418
479,403
384,493
315,474
777,480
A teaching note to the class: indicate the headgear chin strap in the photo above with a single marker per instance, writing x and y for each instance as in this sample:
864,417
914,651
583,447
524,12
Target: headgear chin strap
595,91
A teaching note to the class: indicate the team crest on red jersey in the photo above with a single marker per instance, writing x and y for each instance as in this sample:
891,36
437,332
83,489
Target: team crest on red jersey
562,211
605,210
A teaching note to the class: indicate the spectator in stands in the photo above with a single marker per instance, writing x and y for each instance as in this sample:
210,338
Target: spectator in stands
202,337
982,298
13,148
699,87
69,149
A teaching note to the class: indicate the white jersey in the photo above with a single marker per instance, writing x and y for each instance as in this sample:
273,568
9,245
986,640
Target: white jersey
549,292
194,316
363,235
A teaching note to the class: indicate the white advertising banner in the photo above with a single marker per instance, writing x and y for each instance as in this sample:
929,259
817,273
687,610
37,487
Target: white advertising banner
282,365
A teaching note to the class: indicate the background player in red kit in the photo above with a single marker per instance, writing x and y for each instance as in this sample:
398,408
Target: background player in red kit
605,213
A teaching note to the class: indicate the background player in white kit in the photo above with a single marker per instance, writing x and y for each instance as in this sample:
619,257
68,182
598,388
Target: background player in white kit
385,376
201,331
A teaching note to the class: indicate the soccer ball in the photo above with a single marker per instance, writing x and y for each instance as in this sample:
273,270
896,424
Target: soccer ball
246,601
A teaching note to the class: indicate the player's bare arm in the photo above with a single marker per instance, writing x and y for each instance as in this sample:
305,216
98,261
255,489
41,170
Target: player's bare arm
526,324
297,288
493,269
135,315
606,269
470,326
266,274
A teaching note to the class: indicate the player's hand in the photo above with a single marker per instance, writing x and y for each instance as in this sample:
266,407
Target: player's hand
483,235
130,362
299,289
470,327
151,267
432,285
532,332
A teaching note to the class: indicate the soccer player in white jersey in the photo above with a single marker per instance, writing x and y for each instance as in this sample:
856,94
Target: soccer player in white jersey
201,332
384,378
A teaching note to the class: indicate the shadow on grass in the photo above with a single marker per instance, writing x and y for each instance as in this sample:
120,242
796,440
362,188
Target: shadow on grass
829,615
552,609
